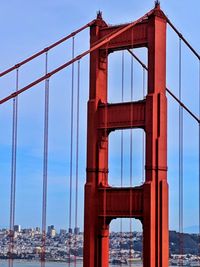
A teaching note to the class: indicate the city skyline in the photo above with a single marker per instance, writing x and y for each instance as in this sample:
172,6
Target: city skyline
122,247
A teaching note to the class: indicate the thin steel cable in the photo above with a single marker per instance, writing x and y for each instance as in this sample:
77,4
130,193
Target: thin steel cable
12,183
199,163
131,165
183,39
122,98
143,134
122,147
71,150
168,91
46,49
131,131
14,153
45,163
180,154
15,140
101,42
77,157
13,171
144,83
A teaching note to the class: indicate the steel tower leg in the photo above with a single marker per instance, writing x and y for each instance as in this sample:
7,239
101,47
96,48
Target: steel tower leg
149,202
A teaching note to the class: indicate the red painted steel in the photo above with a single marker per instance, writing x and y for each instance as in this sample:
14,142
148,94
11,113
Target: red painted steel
149,202
122,207
122,115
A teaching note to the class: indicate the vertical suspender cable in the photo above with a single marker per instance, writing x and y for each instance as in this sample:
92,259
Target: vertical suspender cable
199,164
77,157
122,141
143,134
131,163
13,170
71,151
180,154
45,163
131,132
122,147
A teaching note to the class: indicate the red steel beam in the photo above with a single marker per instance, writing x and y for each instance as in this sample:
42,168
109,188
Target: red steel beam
129,202
134,37
122,115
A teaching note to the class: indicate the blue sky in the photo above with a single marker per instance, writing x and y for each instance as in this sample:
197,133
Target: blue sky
28,26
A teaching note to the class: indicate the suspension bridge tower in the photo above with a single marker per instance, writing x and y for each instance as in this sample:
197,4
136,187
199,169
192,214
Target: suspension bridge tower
149,202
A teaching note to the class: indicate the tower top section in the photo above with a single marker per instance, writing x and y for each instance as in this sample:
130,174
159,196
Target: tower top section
157,4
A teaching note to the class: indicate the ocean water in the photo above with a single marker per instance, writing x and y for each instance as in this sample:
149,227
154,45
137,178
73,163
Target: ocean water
37,264
4,263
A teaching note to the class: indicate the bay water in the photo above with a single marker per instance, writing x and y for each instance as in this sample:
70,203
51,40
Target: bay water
4,263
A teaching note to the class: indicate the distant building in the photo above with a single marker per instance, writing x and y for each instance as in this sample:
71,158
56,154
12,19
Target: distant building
70,231
63,232
51,231
17,228
37,250
51,227
2,235
76,230
37,229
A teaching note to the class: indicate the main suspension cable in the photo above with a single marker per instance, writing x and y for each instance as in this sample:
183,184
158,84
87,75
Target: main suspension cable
183,39
46,49
168,91
101,42
13,171
45,163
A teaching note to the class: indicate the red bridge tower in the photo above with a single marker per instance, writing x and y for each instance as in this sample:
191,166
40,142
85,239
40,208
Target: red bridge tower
148,202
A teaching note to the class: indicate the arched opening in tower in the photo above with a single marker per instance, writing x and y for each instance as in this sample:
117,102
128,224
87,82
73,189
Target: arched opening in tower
126,242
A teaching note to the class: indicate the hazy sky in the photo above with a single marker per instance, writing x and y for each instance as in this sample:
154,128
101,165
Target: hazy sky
28,26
